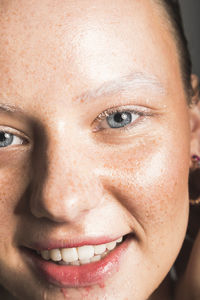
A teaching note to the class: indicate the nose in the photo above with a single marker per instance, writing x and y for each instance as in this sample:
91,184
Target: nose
64,185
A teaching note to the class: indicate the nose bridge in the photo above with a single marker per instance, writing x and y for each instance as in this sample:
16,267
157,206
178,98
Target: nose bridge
67,189
67,175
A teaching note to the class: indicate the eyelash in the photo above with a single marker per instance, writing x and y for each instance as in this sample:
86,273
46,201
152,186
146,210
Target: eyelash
141,112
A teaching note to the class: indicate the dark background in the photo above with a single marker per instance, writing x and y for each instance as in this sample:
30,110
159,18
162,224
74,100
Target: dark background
191,19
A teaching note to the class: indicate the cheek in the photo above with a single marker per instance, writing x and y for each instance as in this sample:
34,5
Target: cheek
14,177
150,180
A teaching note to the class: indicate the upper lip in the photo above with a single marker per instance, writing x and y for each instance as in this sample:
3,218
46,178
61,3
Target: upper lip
49,244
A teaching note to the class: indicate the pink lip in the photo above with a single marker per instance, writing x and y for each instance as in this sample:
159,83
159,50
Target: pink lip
79,276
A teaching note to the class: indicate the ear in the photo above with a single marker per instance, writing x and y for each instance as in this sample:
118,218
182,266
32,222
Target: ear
195,117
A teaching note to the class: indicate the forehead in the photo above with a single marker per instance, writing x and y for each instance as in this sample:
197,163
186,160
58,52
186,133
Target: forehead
58,47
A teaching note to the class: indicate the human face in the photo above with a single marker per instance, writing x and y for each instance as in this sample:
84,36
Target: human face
68,178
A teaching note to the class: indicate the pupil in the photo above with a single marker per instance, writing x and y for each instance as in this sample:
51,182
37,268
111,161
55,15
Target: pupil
119,118
2,137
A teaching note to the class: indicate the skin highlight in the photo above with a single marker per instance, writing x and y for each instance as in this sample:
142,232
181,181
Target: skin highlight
53,53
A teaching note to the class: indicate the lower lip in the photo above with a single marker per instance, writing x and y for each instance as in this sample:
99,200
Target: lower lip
80,276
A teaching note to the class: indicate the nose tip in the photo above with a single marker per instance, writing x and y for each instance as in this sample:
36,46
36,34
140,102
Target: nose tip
60,210
65,201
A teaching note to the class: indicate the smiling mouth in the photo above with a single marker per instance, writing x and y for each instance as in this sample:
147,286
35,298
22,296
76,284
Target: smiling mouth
77,256
77,266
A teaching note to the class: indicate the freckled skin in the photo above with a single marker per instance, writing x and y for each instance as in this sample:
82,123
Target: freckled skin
71,181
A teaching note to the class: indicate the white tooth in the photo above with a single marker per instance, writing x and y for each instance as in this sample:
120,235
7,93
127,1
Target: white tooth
119,240
45,254
85,252
55,254
75,263
99,249
111,246
95,258
69,254
84,261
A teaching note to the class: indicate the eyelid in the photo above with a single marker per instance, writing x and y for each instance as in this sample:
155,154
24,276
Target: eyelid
139,110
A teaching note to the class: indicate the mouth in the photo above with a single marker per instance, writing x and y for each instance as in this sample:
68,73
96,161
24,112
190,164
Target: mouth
77,256
78,266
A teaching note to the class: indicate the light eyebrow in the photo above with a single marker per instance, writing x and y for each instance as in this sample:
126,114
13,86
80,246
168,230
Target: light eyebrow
124,85
10,108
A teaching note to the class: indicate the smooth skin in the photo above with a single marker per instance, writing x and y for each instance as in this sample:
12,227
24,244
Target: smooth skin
63,63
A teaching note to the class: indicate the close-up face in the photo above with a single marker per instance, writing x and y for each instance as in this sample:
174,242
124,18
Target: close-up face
94,136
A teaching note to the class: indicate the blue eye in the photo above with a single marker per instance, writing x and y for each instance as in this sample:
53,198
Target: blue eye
8,139
119,119
124,117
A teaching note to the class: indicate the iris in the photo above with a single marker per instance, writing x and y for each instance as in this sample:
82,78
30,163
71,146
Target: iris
6,139
119,119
